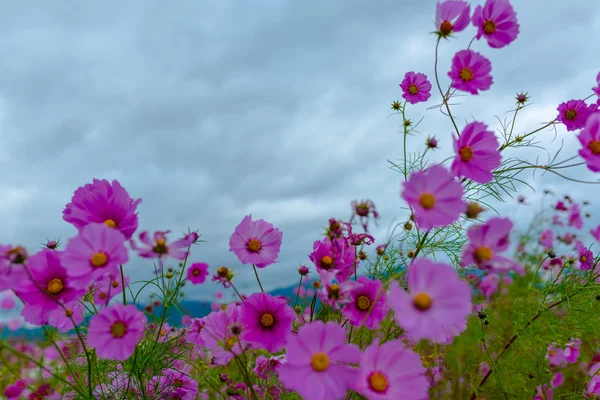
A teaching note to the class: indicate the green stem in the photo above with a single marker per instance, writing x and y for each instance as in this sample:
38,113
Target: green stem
256,273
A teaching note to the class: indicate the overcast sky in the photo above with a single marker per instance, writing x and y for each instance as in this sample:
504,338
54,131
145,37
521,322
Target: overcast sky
212,110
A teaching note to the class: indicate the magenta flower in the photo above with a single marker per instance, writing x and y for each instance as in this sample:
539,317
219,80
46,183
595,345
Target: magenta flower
575,113
159,247
115,331
436,305
547,239
543,392
256,242
572,350
362,299
555,355
338,256
497,22
435,197
50,276
596,89
320,355
197,273
477,153
557,380
220,334
486,242
105,288
416,88
489,285
586,257
104,202
334,292
390,372
171,381
194,331
596,233
11,266
267,366
589,137
97,250
451,16
575,217
266,321
470,72
61,318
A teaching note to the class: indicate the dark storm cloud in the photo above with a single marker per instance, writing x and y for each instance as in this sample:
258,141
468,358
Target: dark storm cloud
209,111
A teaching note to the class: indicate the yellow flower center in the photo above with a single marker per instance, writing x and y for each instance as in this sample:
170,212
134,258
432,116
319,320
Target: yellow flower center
99,259
196,272
363,303
326,262
55,286
320,362
422,301
571,115
110,223
583,258
161,247
466,153
594,146
102,295
223,272
483,253
254,245
466,74
551,353
178,383
378,382
267,320
489,26
333,291
427,201
446,28
68,313
115,284
413,89
118,330
230,342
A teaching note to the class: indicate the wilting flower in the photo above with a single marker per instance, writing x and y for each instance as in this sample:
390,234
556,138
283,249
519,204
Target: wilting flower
452,16
50,284
391,371
266,321
470,72
547,239
256,242
486,242
319,355
497,22
97,250
362,210
435,197
477,153
436,305
159,247
338,256
115,331
416,87
575,113
362,303
589,137
104,202
197,273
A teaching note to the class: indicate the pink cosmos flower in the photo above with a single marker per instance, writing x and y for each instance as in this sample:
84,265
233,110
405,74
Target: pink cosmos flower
194,330
489,285
170,381
555,355
477,153
266,321
8,301
197,273
471,72
256,242
586,257
220,334
51,276
597,88
575,219
267,366
544,392
547,239
104,202
115,331
362,299
486,241
589,137
320,355
390,372
416,87
497,22
596,233
334,292
14,391
337,256
452,16
61,318
560,206
575,113
159,247
105,288
436,305
14,324
435,197
97,250
593,385
572,350
11,266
